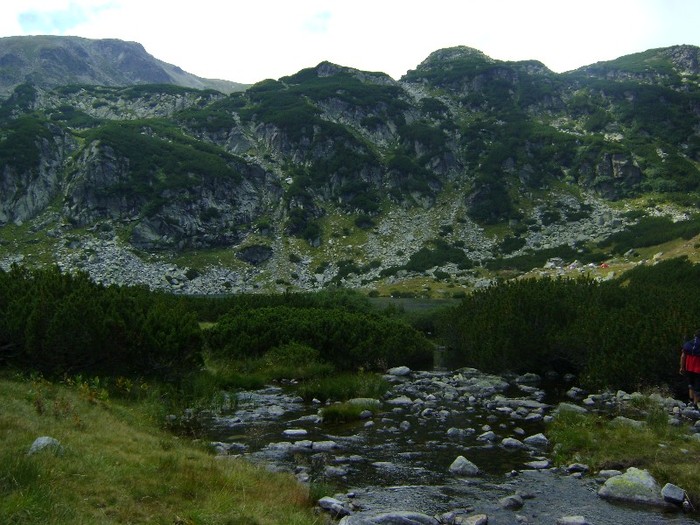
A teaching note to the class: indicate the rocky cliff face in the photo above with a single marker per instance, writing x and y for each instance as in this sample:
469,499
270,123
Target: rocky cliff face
334,175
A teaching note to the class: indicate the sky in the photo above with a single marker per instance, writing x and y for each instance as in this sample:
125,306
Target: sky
252,40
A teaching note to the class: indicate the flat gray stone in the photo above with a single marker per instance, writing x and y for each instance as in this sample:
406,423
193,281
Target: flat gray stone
539,464
294,432
391,518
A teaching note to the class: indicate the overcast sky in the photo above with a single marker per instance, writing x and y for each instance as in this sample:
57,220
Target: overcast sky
249,41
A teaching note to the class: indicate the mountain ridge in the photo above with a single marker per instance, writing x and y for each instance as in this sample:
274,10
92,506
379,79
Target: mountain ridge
50,61
465,168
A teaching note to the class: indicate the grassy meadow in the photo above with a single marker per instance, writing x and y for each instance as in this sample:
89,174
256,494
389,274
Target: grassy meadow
119,466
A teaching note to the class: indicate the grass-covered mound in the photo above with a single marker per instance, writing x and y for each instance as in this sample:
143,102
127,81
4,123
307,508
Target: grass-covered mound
117,466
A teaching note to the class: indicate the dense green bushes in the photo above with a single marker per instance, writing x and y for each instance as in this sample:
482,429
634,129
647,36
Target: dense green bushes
651,231
347,340
615,334
59,324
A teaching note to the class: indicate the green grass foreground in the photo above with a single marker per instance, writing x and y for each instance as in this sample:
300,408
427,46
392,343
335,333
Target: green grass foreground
668,452
118,466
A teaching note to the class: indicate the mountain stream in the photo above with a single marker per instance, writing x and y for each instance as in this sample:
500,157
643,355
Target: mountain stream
400,457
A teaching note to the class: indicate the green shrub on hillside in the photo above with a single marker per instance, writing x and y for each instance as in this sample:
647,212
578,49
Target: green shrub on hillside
651,231
19,148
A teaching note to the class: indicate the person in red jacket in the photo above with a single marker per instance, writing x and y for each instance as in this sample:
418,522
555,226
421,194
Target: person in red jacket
690,367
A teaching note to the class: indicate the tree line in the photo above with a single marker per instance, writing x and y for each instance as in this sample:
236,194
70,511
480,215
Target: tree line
624,333
64,324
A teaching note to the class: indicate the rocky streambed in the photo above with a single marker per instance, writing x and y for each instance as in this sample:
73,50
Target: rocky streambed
441,447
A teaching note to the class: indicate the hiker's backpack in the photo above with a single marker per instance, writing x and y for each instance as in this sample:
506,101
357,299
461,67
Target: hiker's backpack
692,347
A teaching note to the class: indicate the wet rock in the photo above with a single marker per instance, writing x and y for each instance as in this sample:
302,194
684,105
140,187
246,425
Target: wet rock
539,464
576,393
610,473
459,433
577,467
391,518
223,449
46,443
537,440
275,411
463,467
399,371
513,502
673,494
634,486
400,401
456,517
489,435
475,519
335,472
568,407
512,443
334,506
572,520
324,446
294,432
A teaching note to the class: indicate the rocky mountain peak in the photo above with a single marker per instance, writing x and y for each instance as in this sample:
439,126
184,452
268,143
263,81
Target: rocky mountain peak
443,57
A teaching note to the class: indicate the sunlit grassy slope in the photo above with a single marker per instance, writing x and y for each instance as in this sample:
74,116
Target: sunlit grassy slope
117,466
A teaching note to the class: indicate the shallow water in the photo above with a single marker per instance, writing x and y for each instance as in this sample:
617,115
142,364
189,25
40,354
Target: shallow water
399,459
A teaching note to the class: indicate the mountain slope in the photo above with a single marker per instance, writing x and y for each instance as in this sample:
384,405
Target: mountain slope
51,61
466,166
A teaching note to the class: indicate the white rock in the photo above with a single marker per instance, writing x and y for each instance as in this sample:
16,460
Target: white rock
463,467
294,432
399,371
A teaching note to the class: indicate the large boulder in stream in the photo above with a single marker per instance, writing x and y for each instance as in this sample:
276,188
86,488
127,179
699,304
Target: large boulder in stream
634,486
